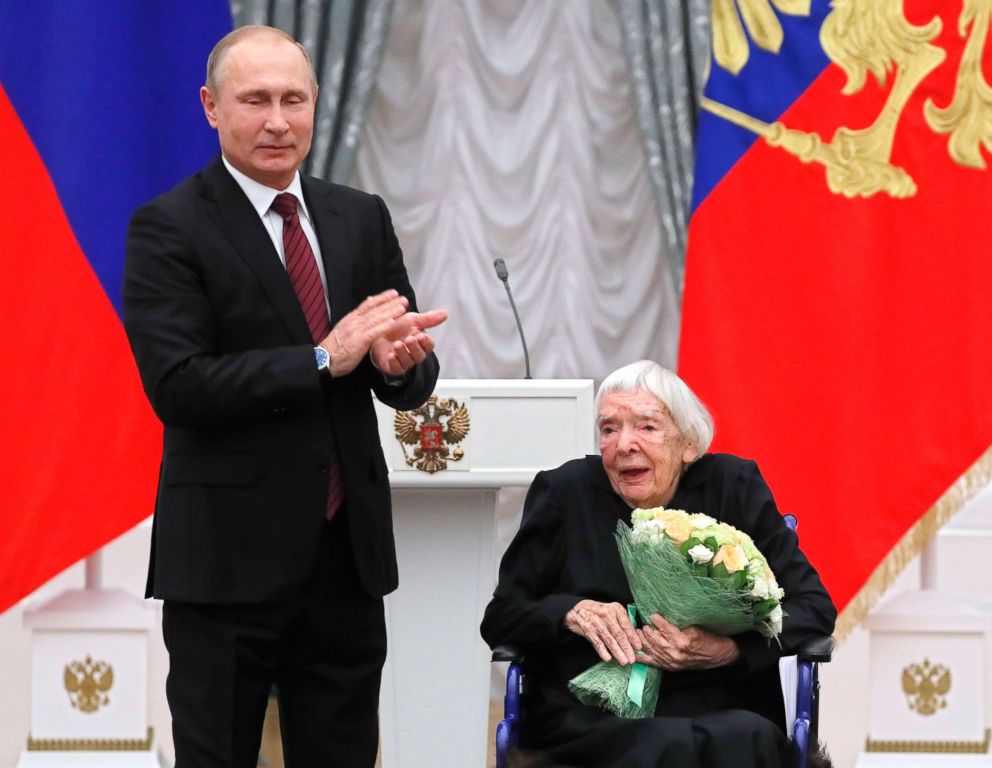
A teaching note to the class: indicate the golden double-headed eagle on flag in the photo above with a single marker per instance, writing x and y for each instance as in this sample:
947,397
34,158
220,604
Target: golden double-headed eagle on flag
861,37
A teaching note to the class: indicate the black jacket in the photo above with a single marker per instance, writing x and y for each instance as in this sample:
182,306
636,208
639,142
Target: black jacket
227,362
565,551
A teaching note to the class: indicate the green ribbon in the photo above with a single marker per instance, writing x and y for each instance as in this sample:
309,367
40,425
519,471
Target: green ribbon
638,671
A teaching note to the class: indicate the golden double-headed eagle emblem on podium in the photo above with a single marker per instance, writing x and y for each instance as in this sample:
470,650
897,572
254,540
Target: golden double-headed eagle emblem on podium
429,435
926,687
862,37
87,683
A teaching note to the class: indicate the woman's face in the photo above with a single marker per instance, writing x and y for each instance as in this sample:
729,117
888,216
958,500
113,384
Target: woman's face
643,451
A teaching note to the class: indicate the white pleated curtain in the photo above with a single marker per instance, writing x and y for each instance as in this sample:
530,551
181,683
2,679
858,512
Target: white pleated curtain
345,39
508,130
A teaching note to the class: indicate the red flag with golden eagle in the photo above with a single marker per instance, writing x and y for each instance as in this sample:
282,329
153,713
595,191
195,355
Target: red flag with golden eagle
837,317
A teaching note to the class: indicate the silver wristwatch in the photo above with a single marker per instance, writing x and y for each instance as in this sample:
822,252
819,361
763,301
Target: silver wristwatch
323,360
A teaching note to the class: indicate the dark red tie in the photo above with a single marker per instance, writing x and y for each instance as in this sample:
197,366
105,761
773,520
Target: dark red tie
303,273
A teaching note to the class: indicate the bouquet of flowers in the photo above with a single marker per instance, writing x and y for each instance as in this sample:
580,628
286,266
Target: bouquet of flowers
693,570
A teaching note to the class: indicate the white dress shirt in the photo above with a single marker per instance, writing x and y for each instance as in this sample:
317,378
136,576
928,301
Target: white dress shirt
261,197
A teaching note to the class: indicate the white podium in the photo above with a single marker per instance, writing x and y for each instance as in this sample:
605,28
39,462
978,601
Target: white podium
927,694
445,480
89,681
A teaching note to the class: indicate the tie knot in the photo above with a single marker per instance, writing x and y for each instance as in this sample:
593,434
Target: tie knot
285,205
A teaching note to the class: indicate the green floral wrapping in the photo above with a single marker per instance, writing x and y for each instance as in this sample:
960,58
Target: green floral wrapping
665,580
605,685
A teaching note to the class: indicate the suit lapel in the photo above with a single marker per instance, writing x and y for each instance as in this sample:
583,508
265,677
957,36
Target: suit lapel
240,224
337,256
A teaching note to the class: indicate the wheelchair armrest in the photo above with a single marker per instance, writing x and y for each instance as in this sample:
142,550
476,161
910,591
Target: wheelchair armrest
817,649
510,653
508,729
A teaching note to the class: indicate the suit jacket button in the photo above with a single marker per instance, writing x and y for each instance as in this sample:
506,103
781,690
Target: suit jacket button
322,469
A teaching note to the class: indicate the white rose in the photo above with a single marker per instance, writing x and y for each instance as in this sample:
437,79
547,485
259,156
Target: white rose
700,554
760,590
701,521
775,619
651,531
774,589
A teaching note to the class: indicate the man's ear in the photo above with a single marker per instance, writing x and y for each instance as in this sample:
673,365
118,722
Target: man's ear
209,106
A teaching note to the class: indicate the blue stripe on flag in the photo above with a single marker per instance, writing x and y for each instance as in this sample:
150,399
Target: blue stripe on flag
765,88
108,93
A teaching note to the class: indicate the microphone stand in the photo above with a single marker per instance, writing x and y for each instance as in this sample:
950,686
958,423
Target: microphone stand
503,274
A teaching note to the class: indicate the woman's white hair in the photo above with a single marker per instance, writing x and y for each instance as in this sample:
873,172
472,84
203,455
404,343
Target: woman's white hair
688,412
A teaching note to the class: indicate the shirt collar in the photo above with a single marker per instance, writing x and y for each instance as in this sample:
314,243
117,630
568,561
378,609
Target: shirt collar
261,196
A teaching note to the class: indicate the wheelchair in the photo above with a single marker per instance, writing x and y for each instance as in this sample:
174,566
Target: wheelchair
802,731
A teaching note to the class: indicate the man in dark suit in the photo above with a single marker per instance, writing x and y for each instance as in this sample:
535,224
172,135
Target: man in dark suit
262,308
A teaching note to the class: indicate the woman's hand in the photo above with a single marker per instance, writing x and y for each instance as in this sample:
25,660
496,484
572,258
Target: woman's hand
668,647
607,627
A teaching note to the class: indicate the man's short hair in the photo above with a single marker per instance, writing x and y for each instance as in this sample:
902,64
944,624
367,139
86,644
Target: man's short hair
215,61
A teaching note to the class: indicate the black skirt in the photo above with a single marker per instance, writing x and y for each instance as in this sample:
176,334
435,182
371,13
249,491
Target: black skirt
685,733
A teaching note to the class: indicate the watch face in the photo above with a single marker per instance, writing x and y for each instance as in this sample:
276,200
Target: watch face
323,359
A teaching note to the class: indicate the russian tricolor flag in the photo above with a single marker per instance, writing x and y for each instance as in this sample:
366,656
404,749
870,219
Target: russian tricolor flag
99,112
837,316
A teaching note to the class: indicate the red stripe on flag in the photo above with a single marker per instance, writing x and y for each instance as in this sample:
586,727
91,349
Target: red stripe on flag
846,344
79,454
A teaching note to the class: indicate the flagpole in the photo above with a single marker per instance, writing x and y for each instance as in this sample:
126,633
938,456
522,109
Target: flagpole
94,570
928,565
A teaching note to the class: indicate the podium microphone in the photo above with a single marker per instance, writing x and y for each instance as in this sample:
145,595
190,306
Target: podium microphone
503,274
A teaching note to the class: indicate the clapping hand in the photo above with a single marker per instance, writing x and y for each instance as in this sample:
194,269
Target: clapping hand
381,325
406,343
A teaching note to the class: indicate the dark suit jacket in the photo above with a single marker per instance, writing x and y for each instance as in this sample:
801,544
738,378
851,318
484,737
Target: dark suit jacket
227,362
565,551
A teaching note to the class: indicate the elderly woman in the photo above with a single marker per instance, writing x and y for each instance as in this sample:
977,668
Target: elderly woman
562,592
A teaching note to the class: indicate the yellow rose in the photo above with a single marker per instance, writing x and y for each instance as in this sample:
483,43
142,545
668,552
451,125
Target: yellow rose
669,515
732,556
679,529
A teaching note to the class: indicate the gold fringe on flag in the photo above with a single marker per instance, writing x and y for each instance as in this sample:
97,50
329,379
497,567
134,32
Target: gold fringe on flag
977,476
